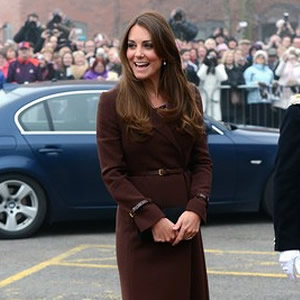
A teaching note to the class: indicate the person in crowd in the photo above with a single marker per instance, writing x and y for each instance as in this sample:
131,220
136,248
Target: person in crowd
194,57
63,65
24,68
284,27
288,71
221,48
259,77
232,104
31,31
3,63
244,45
189,68
232,43
10,52
201,54
89,50
46,67
286,191
273,60
210,43
182,28
99,71
114,63
296,42
80,65
239,59
252,50
154,107
211,74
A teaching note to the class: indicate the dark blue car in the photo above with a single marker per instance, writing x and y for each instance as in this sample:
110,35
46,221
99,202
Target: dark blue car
49,169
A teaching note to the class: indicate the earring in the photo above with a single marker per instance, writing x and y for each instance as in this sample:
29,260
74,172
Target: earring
164,63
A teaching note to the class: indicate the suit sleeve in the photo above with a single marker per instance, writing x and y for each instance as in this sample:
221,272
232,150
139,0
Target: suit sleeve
200,166
114,169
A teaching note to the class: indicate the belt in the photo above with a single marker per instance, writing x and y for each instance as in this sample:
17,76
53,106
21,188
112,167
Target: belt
160,172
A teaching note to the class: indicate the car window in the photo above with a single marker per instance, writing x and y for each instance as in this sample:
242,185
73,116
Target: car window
74,112
35,119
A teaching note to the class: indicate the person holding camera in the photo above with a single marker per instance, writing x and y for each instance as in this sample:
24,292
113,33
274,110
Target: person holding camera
183,29
284,27
211,74
31,31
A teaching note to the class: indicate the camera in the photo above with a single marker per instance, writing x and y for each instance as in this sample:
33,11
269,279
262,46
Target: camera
286,17
56,18
178,17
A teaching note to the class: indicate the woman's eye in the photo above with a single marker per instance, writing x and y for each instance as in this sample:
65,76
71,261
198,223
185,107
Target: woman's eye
130,45
148,45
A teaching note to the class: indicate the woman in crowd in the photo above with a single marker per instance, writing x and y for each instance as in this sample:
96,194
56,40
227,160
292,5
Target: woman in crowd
211,74
98,71
259,78
64,71
155,162
232,97
80,65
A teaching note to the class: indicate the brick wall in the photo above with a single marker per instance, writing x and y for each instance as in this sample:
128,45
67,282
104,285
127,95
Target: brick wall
111,16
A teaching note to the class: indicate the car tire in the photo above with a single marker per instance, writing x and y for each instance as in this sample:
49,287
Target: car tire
23,206
267,202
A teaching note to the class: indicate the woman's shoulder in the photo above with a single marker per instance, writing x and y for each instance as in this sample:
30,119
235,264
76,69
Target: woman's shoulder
108,98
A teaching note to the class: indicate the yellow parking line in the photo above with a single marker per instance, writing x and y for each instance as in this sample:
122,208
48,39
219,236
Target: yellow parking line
47,263
58,260
252,274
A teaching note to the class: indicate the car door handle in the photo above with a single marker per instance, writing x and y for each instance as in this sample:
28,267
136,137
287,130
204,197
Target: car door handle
50,150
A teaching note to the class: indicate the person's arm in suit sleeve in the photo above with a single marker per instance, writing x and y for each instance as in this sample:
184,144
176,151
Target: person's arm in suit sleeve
201,173
113,166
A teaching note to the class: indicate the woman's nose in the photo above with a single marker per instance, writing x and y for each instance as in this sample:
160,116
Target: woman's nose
139,52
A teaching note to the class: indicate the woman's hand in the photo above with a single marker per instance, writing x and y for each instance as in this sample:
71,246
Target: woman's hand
163,231
187,226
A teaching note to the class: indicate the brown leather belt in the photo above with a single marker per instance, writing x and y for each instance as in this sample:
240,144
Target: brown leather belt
160,172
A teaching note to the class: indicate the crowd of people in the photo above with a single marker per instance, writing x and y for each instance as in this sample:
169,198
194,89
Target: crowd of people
269,71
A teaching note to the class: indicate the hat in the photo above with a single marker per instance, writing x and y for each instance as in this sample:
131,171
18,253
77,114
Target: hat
222,47
24,45
272,52
244,42
260,53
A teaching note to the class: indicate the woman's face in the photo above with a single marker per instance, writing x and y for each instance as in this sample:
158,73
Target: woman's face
143,60
99,68
79,60
260,60
11,53
67,59
229,59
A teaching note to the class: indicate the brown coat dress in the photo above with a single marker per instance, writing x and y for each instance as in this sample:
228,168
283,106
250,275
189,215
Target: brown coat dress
150,270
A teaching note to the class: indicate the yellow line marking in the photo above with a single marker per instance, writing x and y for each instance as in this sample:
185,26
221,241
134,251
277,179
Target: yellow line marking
70,264
246,274
58,260
47,263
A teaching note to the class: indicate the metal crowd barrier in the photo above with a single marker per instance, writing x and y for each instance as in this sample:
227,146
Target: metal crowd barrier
233,105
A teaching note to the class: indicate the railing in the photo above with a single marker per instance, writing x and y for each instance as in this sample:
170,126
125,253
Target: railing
259,105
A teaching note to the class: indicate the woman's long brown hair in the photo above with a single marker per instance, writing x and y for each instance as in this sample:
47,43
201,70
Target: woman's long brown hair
132,102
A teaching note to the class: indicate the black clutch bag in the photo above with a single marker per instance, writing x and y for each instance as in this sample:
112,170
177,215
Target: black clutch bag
172,213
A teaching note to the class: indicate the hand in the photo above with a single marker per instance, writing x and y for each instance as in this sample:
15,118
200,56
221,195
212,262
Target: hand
290,262
187,226
163,231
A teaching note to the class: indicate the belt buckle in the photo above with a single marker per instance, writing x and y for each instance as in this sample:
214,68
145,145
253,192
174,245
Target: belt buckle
161,172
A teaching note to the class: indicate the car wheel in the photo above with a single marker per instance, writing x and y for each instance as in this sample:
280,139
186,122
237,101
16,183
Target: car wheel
268,197
22,206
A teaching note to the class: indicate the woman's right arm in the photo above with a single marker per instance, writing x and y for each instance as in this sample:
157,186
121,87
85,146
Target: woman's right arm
114,169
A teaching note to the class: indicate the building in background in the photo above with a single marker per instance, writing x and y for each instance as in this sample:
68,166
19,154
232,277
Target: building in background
111,16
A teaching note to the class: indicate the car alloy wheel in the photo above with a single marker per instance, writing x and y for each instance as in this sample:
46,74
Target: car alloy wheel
22,206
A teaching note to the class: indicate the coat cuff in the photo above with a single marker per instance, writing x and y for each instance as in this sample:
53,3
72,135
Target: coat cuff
198,205
147,216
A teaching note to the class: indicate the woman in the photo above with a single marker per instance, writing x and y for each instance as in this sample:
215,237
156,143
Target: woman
259,77
288,71
99,71
64,71
80,65
231,96
211,74
154,156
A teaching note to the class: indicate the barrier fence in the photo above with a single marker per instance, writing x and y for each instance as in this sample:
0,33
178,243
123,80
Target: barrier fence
259,105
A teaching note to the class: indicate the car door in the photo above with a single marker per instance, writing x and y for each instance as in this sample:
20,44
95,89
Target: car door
65,147
224,158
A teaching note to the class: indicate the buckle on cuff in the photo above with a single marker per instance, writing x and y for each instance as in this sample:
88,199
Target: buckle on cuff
161,172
